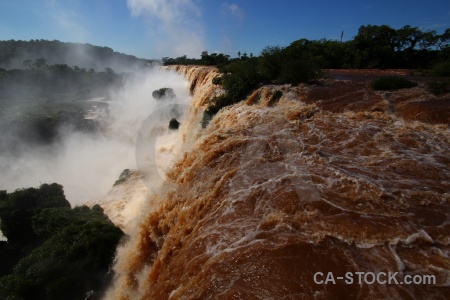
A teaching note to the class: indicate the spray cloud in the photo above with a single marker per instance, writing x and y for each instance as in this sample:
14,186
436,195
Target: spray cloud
87,164
176,23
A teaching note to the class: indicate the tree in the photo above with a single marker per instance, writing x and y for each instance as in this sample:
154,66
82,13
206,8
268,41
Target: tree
174,124
40,63
164,93
17,209
380,43
27,63
443,40
270,62
70,253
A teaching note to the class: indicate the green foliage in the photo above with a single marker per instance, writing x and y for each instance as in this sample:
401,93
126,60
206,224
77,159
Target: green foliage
392,83
438,87
174,124
240,77
442,69
213,108
123,177
407,47
213,59
374,46
271,60
37,101
55,79
292,65
48,80
18,208
164,93
182,60
217,80
70,251
42,51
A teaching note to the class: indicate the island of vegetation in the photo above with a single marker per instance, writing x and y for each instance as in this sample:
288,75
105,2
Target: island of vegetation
53,251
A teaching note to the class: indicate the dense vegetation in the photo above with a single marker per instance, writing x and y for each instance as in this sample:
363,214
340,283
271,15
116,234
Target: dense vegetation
373,47
53,251
174,124
50,83
45,84
163,93
275,65
13,53
302,61
205,59
392,83
37,100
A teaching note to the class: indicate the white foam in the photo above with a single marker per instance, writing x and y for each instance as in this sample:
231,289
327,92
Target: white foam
420,235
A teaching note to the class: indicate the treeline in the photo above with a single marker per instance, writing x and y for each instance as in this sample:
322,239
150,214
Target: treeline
13,52
54,251
205,60
35,102
373,47
41,81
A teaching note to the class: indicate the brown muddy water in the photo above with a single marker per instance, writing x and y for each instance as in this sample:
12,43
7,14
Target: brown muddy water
333,178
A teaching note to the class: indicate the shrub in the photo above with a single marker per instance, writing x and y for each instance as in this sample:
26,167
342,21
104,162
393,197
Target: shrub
216,104
164,93
174,124
392,83
123,177
438,87
442,69
18,208
217,80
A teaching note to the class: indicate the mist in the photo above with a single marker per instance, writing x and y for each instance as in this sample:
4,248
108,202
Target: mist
81,55
175,25
88,163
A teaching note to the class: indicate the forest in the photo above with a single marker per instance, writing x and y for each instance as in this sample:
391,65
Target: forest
374,46
37,100
53,251
13,53
45,84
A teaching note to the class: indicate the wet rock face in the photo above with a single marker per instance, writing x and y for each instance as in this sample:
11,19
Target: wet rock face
317,182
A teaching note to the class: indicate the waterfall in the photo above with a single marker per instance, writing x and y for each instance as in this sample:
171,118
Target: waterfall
327,179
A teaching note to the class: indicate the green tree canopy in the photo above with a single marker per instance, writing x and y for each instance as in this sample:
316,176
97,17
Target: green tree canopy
53,251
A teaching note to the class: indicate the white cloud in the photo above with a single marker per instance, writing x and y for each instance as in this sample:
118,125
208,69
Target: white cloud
233,10
176,25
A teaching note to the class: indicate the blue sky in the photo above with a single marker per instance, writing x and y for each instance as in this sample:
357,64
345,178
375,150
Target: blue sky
157,28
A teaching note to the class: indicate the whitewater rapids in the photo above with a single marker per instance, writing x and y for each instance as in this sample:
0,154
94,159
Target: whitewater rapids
331,178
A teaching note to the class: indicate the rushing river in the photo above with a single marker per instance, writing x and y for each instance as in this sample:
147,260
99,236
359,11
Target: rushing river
273,197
